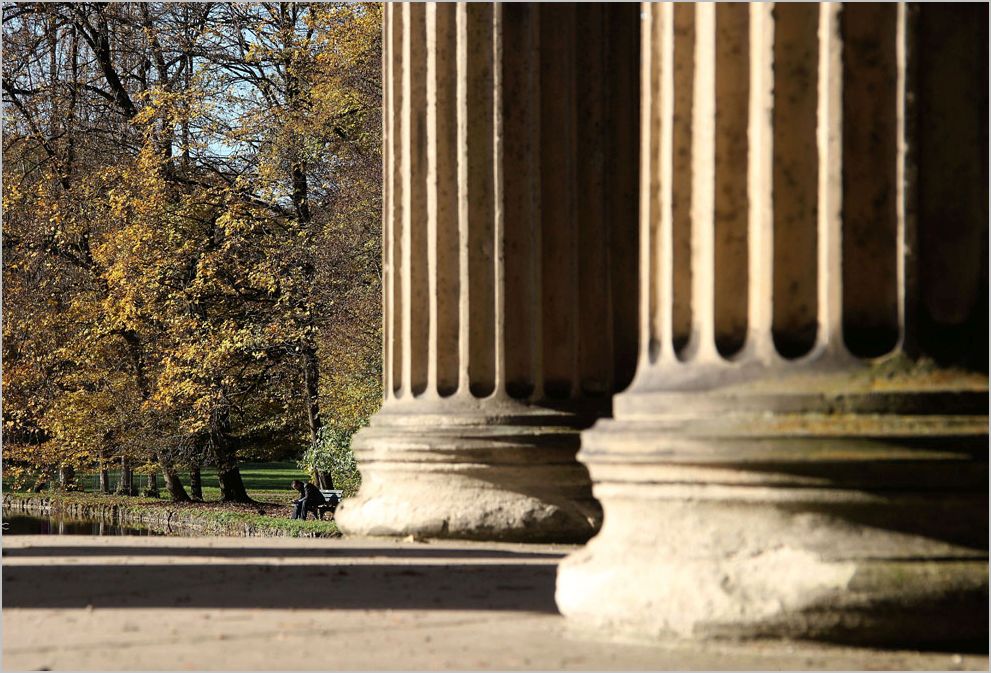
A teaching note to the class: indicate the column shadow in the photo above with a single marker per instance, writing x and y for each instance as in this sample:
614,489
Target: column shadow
328,553
413,585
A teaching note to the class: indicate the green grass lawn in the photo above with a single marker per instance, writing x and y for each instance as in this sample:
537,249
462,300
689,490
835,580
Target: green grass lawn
265,482
268,482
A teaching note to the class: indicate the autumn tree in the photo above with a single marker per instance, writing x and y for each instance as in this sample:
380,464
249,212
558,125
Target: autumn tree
304,82
191,230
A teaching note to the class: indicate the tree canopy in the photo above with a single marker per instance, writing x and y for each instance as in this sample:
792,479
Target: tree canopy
191,232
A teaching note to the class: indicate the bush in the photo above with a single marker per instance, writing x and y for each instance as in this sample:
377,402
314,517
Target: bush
332,453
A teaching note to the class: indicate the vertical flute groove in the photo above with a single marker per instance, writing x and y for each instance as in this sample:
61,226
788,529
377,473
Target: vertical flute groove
520,159
415,273
870,175
795,175
621,168
447,193
442,202
558,184
535,266
682,158
665,236
593,135
478,191
649,313
730,226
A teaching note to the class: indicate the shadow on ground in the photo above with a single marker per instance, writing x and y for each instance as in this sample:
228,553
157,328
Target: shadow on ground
468,584
276,552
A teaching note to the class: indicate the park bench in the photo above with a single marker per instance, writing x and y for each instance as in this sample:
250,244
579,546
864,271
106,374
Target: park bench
333,498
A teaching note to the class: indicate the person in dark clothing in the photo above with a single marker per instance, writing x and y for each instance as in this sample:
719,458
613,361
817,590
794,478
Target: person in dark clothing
310,498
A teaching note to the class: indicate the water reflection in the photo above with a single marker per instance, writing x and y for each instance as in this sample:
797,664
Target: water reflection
55,525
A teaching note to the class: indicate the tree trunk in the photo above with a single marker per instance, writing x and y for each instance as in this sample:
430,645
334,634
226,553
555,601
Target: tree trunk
311,379
301,204
103,484
122,479
70,125
174,485
323,478
231,485
126,485
151,489
196,483
67,478
186,79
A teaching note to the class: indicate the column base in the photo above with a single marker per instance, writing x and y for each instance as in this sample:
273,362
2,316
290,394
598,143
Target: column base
792,508
475,469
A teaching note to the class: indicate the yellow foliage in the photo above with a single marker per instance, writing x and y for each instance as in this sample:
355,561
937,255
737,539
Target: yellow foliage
149,293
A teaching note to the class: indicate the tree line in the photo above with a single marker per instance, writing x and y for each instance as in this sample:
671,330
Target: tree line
191,232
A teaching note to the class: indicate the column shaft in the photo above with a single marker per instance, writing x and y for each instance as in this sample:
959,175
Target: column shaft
827,475
502,246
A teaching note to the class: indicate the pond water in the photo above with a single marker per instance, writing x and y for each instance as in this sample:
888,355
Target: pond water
20,524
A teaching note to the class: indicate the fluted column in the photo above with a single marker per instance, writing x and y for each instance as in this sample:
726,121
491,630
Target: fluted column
509,248
803,451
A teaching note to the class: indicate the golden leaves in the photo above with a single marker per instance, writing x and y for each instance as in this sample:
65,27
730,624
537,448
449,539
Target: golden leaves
201,247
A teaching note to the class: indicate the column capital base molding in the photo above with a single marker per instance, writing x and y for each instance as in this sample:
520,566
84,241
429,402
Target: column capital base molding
824,373
795,505
471,470
668,583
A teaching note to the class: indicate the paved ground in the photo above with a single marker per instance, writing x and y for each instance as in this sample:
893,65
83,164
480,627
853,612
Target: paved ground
130,603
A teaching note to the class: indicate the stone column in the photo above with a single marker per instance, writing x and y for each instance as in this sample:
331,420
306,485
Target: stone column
509,242
803,451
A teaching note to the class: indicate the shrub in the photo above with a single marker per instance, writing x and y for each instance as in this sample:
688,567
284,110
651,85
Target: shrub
333,453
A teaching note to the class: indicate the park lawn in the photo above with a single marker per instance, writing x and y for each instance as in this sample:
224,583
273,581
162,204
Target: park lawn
216,518
265,482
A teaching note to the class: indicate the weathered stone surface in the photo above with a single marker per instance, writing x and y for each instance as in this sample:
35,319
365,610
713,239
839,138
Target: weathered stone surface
787,460
251,604
509,235
834,506
802,468
482,469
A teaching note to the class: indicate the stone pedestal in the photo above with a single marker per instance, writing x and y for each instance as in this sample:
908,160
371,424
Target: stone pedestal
509,238
491,469
799,454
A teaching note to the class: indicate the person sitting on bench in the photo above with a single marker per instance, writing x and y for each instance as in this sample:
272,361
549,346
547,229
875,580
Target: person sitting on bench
310,499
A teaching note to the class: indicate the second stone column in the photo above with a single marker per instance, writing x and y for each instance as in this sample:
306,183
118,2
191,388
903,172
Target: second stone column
507,327
804,451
